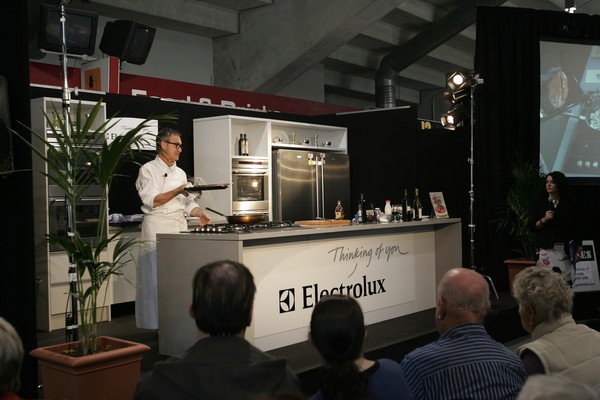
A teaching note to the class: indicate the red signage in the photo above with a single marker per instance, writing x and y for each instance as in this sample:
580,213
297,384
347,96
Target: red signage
49,74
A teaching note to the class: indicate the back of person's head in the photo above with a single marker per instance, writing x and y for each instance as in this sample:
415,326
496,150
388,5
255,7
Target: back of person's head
337,330
11,358
223,294
556,387
465,290
545,291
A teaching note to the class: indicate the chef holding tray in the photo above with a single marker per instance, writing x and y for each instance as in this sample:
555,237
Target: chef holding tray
161,186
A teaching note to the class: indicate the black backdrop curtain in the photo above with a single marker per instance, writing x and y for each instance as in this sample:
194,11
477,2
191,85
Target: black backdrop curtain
507,115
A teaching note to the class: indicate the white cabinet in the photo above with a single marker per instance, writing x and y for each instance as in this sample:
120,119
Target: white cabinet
301,136
124,285
216,145
51,267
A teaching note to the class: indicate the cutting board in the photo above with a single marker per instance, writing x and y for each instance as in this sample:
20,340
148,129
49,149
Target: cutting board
324,222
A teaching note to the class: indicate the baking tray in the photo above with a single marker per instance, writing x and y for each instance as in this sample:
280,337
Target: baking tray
214,186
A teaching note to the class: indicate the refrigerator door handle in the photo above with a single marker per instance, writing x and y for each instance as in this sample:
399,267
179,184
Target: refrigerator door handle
321,164
317,191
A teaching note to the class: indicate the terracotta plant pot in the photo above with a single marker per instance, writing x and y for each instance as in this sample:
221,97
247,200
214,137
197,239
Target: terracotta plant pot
111,374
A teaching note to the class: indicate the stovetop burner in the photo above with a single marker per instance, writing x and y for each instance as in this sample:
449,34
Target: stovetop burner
240,228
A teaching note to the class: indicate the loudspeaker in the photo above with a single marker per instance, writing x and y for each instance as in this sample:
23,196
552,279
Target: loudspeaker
6,149
128,40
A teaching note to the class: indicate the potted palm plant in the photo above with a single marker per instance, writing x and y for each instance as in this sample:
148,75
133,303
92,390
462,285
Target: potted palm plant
76,142
514,212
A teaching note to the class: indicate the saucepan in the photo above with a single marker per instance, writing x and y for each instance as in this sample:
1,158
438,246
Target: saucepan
240,218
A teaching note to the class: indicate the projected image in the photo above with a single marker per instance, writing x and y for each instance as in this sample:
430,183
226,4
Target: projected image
570,108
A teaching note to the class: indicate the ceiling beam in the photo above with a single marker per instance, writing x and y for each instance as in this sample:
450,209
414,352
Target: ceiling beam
279,43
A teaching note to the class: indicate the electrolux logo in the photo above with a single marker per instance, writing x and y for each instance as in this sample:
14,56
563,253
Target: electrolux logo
311,293
287,300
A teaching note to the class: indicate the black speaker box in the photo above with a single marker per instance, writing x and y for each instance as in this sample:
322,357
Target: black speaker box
128,40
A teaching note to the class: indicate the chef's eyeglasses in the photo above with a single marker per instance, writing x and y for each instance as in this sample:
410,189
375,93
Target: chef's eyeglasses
178,145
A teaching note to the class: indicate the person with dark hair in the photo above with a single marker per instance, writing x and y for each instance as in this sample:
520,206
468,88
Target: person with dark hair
465,362
555,227
559,345
161,186
337,330
221,364
11,359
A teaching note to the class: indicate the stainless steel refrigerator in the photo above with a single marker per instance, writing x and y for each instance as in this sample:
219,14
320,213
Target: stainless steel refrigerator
307,184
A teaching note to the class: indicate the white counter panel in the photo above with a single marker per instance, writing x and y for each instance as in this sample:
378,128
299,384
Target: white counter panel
392,271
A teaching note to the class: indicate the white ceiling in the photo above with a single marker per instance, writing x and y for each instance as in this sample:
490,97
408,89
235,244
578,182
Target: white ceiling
348,37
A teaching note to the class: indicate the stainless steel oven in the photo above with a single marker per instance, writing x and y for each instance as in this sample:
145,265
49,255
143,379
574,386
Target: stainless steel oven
250,185
86,214
87,208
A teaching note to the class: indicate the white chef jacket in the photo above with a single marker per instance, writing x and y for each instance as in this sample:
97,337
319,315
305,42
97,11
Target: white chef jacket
156,177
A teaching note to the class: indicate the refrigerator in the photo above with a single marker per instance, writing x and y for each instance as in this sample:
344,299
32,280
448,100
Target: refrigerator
308,184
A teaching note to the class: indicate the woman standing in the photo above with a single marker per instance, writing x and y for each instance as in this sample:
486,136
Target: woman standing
338,332
555,226
165,203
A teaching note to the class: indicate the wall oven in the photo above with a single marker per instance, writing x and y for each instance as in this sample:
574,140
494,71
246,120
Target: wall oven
86,214
250,185
87,208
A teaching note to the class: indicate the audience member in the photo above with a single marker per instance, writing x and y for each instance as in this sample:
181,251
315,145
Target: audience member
559,345
221,364
556,387
465,362
11,358
337,330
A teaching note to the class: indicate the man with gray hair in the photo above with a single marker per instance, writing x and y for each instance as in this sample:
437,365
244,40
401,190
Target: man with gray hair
465,362
11,358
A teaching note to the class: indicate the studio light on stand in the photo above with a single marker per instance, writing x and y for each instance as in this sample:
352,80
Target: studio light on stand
71,324
461,91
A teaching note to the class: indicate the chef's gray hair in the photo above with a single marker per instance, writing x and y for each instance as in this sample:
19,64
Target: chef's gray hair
163,135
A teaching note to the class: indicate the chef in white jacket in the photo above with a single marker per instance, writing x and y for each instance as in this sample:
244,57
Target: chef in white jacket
165,203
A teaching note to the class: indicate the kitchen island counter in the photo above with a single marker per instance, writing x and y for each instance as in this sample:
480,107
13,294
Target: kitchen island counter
391,268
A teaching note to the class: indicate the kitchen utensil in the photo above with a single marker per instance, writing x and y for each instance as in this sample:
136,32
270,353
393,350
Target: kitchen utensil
240,218
200,188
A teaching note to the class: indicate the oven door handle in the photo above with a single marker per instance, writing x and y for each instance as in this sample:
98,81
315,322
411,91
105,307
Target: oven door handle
85,199
248,172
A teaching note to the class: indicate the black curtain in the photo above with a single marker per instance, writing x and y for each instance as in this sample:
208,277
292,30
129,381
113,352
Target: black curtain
507,115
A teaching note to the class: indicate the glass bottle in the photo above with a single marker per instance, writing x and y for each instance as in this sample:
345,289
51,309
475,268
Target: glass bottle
241,145
245,146
405,210
417,206
362,208
339,210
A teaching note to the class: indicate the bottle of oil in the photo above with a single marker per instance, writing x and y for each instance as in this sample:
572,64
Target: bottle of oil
339,210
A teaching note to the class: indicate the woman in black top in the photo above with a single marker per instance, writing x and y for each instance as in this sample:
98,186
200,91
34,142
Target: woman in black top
555,226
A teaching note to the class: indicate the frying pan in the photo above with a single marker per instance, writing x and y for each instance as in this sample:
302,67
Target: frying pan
241,218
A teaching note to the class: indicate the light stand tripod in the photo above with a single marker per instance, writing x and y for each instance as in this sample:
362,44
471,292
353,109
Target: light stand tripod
71,324
475,80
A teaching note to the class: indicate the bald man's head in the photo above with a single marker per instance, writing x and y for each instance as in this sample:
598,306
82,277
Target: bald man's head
463,297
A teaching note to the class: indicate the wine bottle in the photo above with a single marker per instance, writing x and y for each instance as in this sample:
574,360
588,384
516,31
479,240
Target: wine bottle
417,206
405,207
241,145
245,147
362,208
339,210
